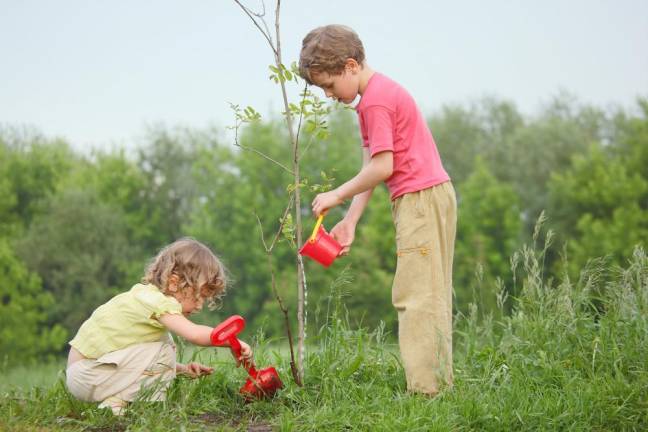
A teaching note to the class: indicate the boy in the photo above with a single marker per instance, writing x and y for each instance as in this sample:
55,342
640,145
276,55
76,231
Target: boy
398,149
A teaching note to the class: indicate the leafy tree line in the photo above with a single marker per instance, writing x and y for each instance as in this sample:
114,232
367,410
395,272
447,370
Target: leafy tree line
75,229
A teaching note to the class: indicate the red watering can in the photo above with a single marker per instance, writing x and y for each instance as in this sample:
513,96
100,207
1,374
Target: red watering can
321,246
261,383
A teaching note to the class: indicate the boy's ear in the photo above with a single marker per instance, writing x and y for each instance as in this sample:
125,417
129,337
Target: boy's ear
352,65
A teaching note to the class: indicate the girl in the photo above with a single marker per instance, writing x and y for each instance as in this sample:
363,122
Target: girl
125,345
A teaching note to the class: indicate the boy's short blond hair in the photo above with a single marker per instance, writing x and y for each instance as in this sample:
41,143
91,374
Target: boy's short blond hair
327,48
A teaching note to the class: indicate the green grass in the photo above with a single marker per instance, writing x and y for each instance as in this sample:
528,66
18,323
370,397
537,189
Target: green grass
25,377
572,356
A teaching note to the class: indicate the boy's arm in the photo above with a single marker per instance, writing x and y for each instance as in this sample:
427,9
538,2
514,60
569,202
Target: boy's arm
375,170
360,200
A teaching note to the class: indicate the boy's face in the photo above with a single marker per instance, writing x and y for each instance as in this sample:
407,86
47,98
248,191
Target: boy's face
342,88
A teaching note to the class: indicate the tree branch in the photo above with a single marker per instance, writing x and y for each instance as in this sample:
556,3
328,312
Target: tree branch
252,16
281,225
263,155
301,112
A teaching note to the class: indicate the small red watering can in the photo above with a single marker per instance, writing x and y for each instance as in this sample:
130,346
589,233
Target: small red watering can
261,383
321,246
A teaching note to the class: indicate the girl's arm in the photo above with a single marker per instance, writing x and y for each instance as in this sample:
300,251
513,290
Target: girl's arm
195,333
193,369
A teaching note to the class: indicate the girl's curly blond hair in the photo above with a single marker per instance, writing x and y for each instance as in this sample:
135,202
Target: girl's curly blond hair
195,265
327,48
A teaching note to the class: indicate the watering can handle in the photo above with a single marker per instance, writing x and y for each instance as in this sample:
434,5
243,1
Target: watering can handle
235,346
317,225
248,364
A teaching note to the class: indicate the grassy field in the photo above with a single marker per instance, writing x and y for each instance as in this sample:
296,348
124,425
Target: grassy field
572,355
26,377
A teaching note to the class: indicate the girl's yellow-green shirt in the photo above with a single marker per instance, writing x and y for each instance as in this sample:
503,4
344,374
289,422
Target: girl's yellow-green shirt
126,319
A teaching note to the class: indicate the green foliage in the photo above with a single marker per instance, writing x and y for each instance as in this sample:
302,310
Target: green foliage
232,190
87,224
315,113
120,183
231,226
601,203
23,312
546,147
488,231
521,152
246,115
165,162
485,129
631,138
79,248
31,168
282,74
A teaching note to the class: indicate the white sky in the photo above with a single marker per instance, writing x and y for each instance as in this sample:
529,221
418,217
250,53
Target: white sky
97,72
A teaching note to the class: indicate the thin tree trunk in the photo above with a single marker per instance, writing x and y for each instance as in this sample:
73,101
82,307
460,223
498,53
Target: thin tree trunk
301,333
294,140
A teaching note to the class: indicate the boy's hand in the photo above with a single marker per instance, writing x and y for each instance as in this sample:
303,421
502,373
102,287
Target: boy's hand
344,233
246,353
193,369
325,201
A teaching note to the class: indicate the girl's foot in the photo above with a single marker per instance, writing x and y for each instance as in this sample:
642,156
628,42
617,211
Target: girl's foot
118,406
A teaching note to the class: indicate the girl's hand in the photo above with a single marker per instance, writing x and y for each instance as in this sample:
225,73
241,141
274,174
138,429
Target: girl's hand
193,369
325,201
246,353
344,233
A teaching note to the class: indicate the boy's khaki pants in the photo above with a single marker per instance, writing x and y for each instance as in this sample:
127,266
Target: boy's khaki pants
139,371
422,291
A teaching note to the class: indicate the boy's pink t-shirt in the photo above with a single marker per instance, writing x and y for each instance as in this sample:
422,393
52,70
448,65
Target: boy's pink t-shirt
391,121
